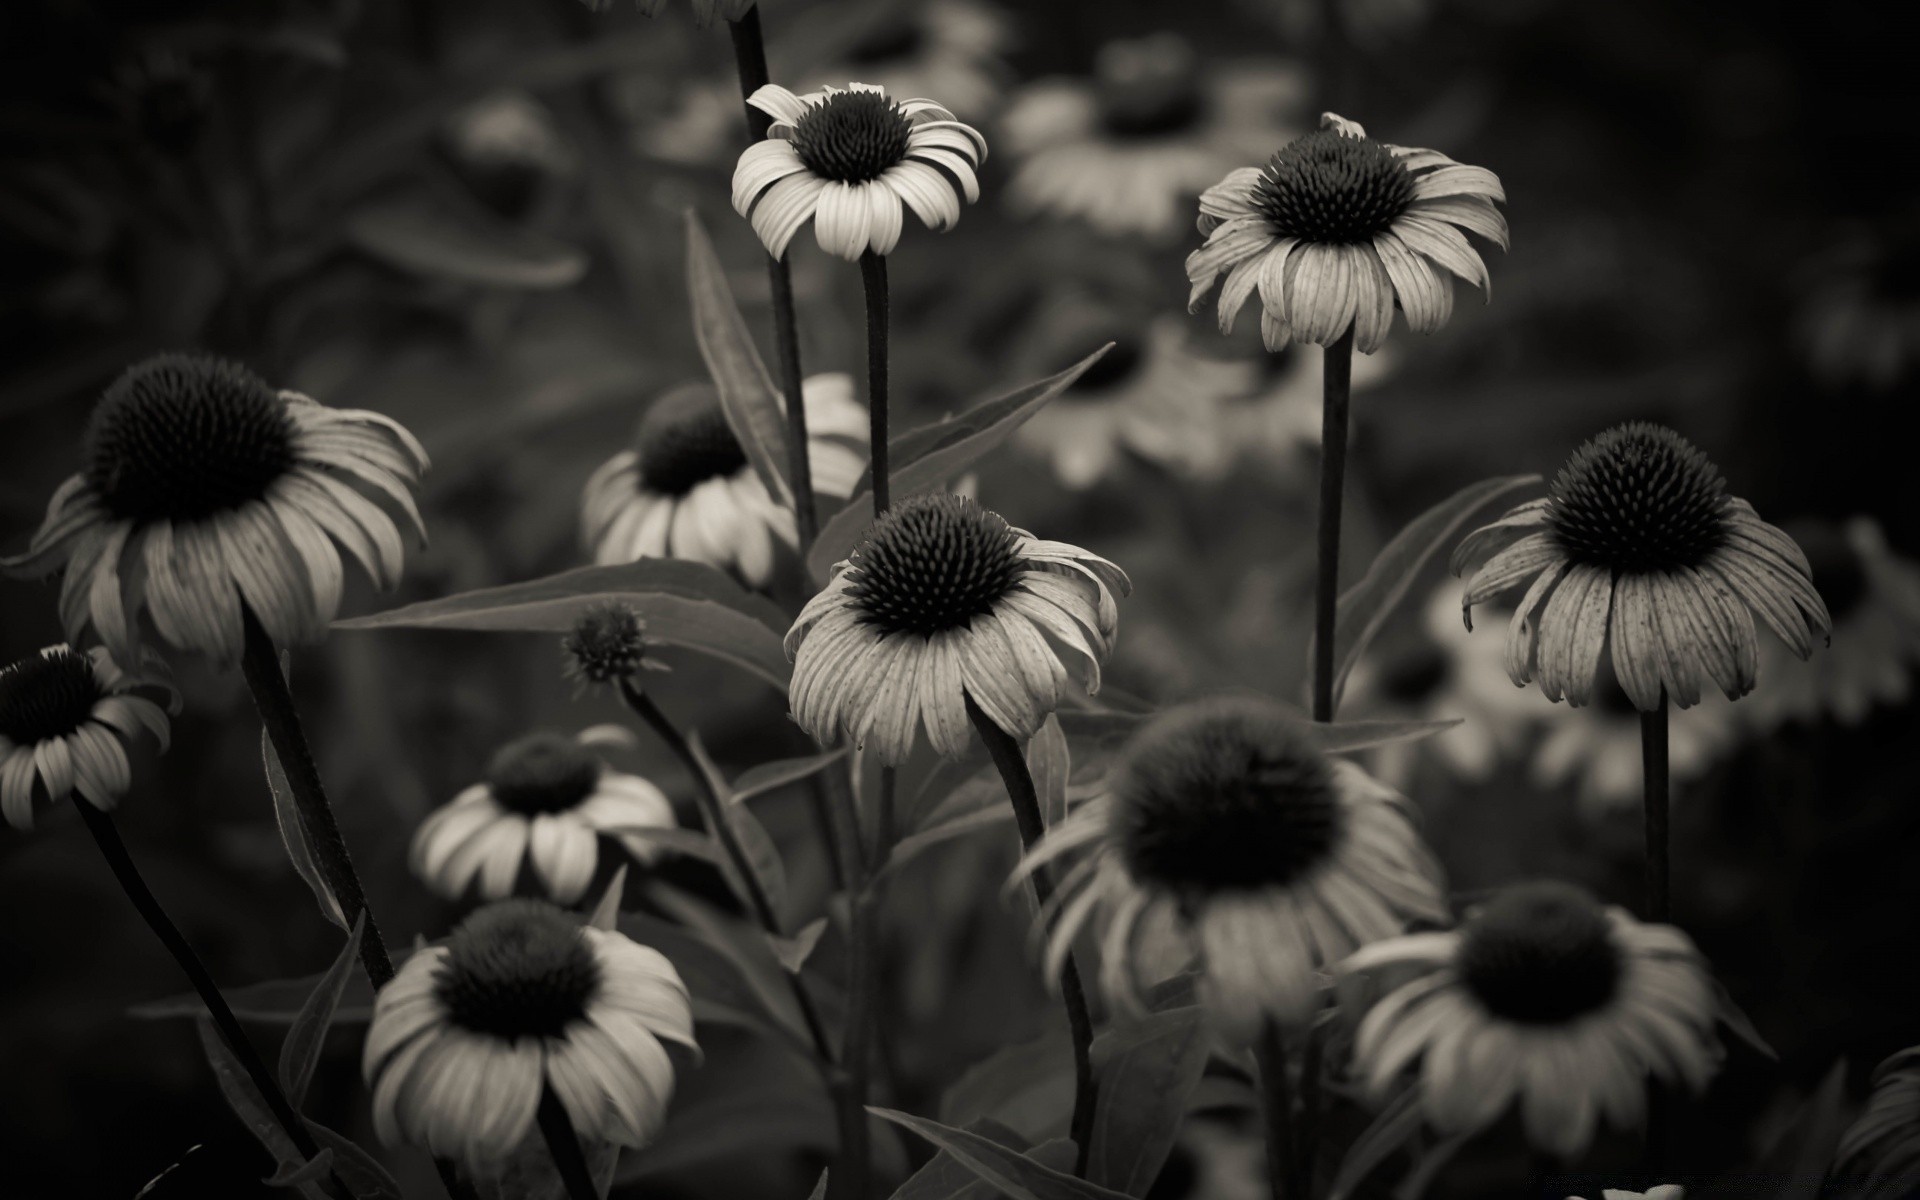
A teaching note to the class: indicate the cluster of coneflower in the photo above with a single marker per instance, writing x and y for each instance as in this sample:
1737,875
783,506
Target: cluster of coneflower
1228,840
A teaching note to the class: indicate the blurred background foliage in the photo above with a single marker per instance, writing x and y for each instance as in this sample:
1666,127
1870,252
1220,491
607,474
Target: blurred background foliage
468,216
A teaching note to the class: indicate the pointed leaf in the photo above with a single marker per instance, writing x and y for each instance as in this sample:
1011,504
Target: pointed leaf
1050,762
754,407
1342,737
1806,1148
360,1171
915,844
1027,1087
293,832
1147,1071
300,1052
819,1191
1429,1165
455,242
1365,607
944,1178
269,1002
794,951
926,458
684,604
293,1174
1734,1018
745,949
606,910
1391,1129
245,1101
758,781
763,857
694,843
1005,1168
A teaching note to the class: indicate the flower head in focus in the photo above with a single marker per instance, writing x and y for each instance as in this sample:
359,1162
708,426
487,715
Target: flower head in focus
607,646
1638,545
686,490
1126,149
1336,229
1879,1154
944,602
1272,860
848,160
546,802
65,719
1546,999
947,48
207,493
522,998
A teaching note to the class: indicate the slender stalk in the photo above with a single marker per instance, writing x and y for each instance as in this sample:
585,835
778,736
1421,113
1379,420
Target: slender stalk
1276,1111
1308,1138
1336,389
873,275
852,1170
568,1158
1653,758
750,61
101,825
260,662
1012,765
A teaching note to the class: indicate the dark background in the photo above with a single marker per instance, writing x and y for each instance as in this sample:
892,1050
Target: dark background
1686,183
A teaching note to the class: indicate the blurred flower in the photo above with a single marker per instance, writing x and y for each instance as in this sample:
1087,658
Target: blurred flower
547,800
64,717
946,48
1637,542
1150,395
608,644
1279,422
163,95
522,998
1444,675
1272,859
206,492
1547,998
1873,595
696,121
847,160
1859,319
686,490
1336,228
1879,1154
1597,749
509,129
1124,150
944,602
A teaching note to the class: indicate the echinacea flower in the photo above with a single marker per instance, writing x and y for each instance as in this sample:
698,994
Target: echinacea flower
1873,595
686,490
607,646
847,160
1879,1154
1336,229
207,494
522,998
946,48
1596,751
65,719
944,602
1149,395
1271,859
1126,149
1638,545
1546,999
547,801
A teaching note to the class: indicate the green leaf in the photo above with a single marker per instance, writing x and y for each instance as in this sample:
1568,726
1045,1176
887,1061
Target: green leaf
720,991
245,1101
1342,737
1027,1086
1147,1071
606,910
753,406
293,835
1365,607
819,1191
745,950
693,843
763,857
1391,1129
943,1178
300,1052
1734,1018
920,841
360,1171
294,1174
270,1002
441,240
758,781
1428,1166
1806,1148
794,951
1005,1168
685,604
751,1124
1050,763
926,458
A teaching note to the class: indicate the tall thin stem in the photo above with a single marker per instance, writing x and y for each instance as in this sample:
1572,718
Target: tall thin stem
849,1179
750,61
1653,759
873,275
1336,389
568,1158
1276,1111
1012,765
260,662
101,825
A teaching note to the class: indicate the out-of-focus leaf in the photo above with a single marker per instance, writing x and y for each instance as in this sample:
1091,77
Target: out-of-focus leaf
1027,1087
1007,1169
745,949
763,857
1428,1166
1391,1129
754,407
684,604
1799,1158
691,842
447,241
294,1174
1342,737
944,1178
758,781
270,1002
819,1189
720,992
914,844
245,1101
1734,1018
757,1123
360,1171
1147,1071
1365,607
606,910
928,457
1050,763
293,834
300,1052
794,951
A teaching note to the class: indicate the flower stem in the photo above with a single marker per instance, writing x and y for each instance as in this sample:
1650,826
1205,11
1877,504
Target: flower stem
260,662
1336,389
1653,758
568,1159
852,1169
1012,765
713,808
1276,1109
750,61
873,274
101,825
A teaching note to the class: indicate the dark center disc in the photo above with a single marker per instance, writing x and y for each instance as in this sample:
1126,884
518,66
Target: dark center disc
1540,954
542,773
852,136
45,696
1333,189
518,968
684,440
1637,498
933,563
